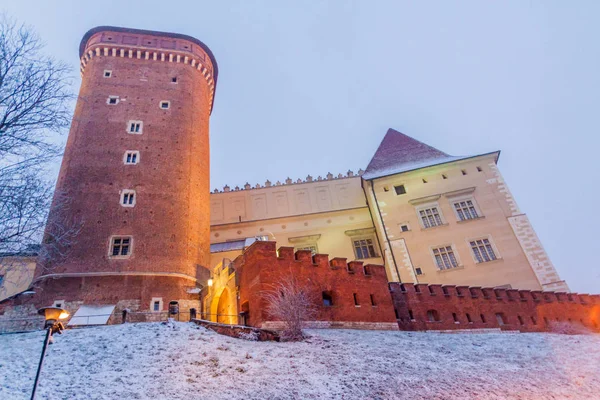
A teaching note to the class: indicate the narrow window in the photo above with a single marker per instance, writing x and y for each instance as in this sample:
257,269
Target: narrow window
520,320
107,73
500,319
410,315
445,258
479,169
396,312
135,127
366,270
469,318
433,316
372,300
157,306
482,250
418,271
400,189
356,303
444,176
112,100
174,79
424,180
128,198
364,248
1,280
454,317
327,299
430,217
120,246
386,189
445,291
482,318
165,105
533,320
465,209
464,172
131,157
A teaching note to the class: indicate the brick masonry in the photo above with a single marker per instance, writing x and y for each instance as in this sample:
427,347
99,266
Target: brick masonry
449,307
261,267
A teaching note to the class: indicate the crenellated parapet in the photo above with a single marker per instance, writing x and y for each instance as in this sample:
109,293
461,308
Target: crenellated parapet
109,41
289,181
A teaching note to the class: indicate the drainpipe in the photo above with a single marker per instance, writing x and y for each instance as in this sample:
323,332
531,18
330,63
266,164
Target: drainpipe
385,231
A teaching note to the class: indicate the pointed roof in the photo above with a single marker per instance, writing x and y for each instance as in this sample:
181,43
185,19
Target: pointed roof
399,153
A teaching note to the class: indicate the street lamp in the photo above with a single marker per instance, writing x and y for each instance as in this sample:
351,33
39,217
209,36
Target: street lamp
52,325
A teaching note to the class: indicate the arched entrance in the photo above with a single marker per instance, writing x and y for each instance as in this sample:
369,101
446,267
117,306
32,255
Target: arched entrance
223,309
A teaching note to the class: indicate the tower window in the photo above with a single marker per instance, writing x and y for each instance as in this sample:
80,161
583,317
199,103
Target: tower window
165,105
355,296
107,73
112,100
404,228
128,198
120,246
400,189
372,297
135,127
479,169
174,79
463,171
131,157
327,299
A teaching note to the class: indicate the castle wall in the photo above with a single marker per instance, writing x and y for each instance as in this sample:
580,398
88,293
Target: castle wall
451,307
261,268
427,188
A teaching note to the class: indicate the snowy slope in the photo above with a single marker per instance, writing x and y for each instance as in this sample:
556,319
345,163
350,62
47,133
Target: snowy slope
182,361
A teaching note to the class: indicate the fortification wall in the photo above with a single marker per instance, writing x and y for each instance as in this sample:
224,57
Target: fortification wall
261,267
450,307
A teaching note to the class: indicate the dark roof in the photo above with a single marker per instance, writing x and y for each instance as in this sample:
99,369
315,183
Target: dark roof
399,153
97,29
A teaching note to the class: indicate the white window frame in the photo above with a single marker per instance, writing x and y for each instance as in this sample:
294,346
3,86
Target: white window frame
465,198
135,123
454,252
364,237
112,97
427,206
407,226
160,304
59,304
111,242
492,245
124,193
135,153
308,246
109,71
160,103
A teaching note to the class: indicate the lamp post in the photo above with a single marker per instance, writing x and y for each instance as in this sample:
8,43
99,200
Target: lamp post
52,325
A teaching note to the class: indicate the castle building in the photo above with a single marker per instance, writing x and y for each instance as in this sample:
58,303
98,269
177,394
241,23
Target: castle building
137,164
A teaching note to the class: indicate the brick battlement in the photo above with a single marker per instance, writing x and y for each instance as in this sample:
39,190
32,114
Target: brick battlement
448,307
358,293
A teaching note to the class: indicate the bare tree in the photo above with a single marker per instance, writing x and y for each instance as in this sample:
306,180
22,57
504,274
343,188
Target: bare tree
290,303
35,100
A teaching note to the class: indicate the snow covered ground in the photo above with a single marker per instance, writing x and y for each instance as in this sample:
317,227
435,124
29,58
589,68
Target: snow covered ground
183,361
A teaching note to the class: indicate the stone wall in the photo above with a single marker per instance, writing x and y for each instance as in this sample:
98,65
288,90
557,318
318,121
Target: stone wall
450,307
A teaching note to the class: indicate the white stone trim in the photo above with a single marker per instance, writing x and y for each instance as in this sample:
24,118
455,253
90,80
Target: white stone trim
126,193
160,304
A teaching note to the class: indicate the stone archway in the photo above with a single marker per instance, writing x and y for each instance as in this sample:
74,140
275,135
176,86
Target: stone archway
223,309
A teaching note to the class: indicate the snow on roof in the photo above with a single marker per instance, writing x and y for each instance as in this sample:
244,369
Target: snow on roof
399,153
92,315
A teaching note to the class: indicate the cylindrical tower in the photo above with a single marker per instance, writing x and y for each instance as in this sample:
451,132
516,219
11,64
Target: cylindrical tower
135,173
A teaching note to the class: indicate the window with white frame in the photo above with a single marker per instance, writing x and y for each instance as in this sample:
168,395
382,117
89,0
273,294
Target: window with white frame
135,127
430,216
444,257
128,198
308,246
112,100
156,304
465,209
107,73
165,105
364,247
131,157
483,251
120,246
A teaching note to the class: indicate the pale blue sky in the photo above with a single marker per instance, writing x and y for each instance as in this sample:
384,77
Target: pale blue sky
312,86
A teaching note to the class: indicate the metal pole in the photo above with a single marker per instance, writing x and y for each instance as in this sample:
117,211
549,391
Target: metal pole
37,375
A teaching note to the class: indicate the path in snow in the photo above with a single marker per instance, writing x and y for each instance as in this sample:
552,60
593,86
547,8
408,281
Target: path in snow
183,361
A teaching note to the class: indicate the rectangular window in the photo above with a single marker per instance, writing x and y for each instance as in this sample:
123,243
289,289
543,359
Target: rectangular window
165,105
445,258
327,299
107,73
135,127
482,250
373,303
120,246
400,189
157,306
131,157
465,209
1,279
430,217
112,100
128,198
364,248
356,303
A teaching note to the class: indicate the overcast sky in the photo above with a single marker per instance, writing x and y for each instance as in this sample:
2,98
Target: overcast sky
310,87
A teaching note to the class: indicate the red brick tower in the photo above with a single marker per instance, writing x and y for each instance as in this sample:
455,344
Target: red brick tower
136,169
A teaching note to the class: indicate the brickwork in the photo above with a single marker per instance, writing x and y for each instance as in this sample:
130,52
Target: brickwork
449,307
260,268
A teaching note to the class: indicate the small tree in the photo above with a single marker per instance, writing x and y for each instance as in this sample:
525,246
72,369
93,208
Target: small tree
290,303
